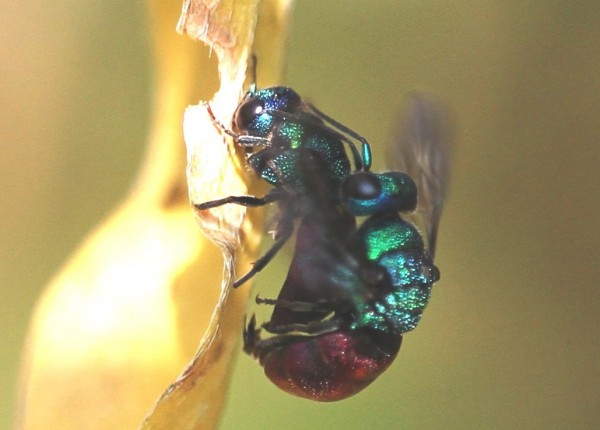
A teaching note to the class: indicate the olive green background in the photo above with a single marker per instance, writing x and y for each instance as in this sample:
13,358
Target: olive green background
510,339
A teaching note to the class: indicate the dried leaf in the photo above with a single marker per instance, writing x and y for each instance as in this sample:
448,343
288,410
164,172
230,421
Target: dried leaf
120,320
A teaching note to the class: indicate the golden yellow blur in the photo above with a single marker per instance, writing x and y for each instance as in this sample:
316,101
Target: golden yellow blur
119,322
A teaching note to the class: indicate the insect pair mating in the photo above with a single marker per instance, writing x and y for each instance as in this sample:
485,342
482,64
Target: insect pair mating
361,273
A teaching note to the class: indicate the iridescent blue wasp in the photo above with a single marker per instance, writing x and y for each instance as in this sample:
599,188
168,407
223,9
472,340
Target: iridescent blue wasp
287,130
351,291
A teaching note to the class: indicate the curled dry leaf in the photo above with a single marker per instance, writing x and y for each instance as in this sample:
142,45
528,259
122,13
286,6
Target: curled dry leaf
122,318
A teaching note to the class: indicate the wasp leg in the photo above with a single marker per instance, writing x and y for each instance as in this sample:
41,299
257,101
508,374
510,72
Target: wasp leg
253,344
248,201
284,231
314,328
297,306
257,347
251,335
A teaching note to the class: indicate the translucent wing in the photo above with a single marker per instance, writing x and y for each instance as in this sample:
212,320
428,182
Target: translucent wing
421,149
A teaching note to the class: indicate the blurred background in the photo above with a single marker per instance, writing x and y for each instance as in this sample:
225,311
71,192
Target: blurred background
508,340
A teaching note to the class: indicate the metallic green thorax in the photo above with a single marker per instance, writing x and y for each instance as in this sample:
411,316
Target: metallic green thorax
397,246
382,236
291,137
293,133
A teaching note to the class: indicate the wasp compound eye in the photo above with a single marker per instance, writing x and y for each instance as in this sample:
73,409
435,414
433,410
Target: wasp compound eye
362,186
247,112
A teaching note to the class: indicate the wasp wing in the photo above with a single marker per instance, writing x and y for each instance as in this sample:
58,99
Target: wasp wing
421,149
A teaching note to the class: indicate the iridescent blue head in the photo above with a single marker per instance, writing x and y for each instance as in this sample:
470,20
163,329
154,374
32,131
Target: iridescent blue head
257,112
368,193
